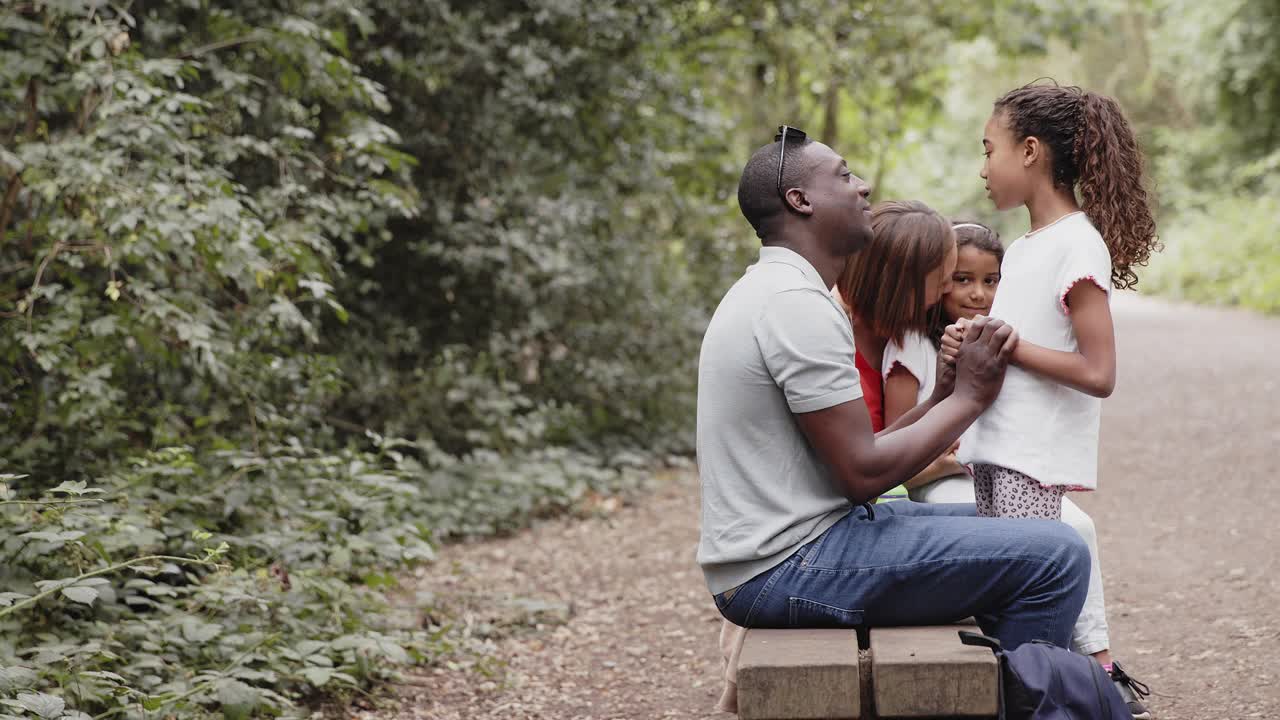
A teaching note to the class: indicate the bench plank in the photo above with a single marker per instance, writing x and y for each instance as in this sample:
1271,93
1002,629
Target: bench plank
926,672
799,675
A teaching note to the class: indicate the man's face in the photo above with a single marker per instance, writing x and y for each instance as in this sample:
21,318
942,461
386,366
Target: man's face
840,201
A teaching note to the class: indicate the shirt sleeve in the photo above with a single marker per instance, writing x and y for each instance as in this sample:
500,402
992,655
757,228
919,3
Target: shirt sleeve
911,355
807,345
1085,260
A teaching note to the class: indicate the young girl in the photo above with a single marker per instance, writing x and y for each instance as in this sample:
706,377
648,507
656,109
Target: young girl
1040,437
887,287
909,366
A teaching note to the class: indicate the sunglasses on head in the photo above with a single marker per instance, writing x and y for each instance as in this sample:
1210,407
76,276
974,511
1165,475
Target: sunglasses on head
785,132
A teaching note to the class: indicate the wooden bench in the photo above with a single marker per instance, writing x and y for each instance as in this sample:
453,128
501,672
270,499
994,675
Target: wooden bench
916,672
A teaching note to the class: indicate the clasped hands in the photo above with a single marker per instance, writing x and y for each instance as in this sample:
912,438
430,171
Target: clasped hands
973,358
954,335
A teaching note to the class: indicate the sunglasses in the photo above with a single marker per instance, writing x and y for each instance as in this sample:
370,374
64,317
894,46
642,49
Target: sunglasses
785,132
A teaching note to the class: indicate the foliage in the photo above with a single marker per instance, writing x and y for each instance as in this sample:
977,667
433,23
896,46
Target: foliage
1218,157
544,280
1222,248
241,583
220,267
1228,58
170,222
1202,84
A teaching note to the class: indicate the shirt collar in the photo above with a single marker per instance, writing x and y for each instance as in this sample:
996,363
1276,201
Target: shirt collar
785,256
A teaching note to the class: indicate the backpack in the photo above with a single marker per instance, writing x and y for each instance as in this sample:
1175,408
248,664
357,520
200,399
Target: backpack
1041,681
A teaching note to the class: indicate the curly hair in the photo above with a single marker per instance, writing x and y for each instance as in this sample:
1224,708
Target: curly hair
883,285
1091,146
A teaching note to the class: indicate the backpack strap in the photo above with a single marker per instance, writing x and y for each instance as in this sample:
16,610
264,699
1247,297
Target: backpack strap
980,640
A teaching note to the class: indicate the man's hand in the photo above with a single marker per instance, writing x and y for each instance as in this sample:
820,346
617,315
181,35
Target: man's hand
982,358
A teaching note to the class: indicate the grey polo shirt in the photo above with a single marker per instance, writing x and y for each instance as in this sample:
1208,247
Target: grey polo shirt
778,344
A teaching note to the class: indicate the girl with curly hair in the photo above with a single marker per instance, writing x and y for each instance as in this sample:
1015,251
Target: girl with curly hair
1070,158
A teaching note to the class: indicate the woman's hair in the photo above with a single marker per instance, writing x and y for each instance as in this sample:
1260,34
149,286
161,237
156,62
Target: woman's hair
883,285
1091,146
968,232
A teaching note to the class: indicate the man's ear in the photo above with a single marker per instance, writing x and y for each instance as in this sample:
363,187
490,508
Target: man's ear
1032,151
799,201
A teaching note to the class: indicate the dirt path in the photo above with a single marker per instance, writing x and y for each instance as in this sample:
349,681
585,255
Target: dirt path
611,619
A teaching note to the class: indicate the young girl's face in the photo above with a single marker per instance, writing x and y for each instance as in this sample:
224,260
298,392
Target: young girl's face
973,284
938,284
1004,170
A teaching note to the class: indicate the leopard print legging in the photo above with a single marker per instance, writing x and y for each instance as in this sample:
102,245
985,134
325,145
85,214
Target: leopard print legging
1001,492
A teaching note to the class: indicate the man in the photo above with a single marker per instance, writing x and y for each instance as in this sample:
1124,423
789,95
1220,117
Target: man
788,459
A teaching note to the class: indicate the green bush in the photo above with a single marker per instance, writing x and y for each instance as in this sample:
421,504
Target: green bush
172,210
242,583
235,241
1227,254
1218,223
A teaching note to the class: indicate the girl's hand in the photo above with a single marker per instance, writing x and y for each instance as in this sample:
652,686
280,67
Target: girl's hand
951,340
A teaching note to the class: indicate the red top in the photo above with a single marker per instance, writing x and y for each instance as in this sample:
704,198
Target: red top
872,390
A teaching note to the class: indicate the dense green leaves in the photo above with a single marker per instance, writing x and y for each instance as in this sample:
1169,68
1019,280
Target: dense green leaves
170,220
232,239
244,582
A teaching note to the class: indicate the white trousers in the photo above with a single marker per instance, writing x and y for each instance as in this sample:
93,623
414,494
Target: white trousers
1091,634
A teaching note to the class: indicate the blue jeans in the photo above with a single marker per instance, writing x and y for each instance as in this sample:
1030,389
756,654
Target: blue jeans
918,564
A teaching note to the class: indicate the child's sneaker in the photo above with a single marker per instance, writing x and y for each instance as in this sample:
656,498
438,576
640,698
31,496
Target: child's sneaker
1132,691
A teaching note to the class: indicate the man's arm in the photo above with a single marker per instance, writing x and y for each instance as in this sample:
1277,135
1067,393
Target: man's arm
866,465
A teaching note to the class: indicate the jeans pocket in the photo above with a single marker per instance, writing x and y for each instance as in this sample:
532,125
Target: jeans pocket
804,613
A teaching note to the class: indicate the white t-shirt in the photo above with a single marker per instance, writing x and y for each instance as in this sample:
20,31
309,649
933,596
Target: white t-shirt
917,356
1036,426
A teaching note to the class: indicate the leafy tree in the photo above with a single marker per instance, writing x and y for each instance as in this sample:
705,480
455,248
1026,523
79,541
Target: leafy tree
178,179
1239,50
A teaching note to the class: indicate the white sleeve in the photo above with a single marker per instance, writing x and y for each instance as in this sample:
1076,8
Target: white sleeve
1086,260
914,355
807,345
